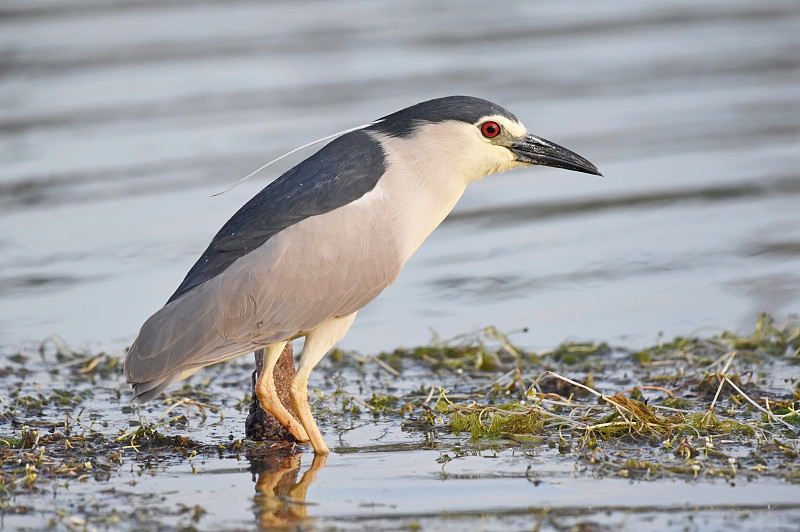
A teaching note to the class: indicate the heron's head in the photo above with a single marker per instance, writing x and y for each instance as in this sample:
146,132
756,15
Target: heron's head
470,138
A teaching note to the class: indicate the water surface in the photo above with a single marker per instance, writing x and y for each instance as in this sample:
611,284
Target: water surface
118,121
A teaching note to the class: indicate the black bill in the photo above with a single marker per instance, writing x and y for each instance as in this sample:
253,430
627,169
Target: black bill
536,150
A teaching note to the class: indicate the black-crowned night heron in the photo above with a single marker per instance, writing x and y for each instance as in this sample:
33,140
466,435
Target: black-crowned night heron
323,240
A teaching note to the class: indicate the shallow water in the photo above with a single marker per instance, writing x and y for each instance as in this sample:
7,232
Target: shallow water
396,490
387,471
118,121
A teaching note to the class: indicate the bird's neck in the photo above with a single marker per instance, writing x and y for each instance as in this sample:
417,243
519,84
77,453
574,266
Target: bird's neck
420,191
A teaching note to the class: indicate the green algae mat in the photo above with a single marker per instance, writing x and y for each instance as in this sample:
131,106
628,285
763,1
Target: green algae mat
694,433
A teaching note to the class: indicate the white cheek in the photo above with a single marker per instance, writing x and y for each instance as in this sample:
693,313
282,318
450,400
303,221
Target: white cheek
489,159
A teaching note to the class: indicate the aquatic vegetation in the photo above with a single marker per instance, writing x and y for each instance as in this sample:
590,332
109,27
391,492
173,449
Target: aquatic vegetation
678,401
725,406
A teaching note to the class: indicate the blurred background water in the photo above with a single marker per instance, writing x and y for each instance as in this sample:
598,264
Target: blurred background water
119,120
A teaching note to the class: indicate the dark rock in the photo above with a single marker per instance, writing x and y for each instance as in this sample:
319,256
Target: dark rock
260,425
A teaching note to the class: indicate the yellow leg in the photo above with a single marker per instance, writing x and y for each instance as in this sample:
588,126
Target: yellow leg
300,404
268,396
318,343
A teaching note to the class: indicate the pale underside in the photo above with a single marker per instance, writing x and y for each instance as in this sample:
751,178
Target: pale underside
326,266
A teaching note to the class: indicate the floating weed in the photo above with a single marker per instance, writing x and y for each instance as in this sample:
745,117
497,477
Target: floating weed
691,395
188,403
690,407
573,353
492,422
488,350
83,365
384,403
767,338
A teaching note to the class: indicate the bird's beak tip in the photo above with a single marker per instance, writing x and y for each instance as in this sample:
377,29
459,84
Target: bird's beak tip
596,172
538,151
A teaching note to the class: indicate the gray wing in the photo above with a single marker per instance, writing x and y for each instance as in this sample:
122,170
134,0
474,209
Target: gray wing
336,175
327,265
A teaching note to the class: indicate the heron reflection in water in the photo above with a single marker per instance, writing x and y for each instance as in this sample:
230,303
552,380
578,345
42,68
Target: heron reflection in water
280,498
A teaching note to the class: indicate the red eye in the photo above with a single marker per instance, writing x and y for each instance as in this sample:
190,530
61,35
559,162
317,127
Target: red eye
490,129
